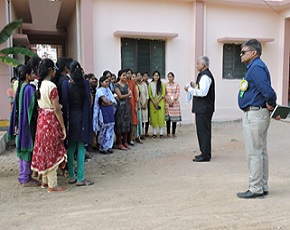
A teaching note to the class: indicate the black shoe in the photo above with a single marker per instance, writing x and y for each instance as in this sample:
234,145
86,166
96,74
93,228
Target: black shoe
87,158
200,159
110,150
197,156
265,193
248,194
103,151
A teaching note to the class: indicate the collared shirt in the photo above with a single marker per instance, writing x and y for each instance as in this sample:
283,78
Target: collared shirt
203,88
259,90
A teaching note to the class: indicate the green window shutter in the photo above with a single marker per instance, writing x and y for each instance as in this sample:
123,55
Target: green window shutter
128,53
158,57
232,66
143,55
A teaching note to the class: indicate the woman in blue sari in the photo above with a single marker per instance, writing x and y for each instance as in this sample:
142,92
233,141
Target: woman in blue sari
23,124
104,110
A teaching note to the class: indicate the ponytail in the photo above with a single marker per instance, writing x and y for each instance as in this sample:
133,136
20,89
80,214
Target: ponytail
21,74
37,92
43,70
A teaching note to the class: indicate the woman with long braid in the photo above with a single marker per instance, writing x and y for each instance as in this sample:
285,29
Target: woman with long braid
49,151
156,91
77,99
23,124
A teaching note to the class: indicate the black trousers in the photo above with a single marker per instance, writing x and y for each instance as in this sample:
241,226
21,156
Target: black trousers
203,130
168,127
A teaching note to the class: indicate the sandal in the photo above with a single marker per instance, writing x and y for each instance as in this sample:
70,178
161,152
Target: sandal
154,136
57,189
161,136
126,146
138,140
44,185
173,136
72,181
85,182
34,174
168,136
103,151
122,147
110,150
32,183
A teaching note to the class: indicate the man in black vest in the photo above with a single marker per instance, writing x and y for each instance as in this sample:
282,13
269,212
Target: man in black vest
203,100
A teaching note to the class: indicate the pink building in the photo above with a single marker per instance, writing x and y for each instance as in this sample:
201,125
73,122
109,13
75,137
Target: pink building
167,35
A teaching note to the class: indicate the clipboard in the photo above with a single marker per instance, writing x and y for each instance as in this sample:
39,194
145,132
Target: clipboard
283,111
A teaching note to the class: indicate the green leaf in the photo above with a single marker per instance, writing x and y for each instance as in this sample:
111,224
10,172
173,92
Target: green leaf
7,31
9,61
18,50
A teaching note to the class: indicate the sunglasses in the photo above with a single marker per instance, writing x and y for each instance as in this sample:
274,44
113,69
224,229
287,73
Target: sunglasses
244,51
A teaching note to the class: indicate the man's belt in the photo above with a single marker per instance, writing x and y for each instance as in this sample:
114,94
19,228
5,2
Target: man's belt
253,108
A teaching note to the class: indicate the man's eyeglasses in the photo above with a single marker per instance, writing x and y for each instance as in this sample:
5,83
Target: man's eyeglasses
244,51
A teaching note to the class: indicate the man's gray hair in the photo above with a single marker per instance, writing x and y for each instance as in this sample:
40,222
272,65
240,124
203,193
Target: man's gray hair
204,60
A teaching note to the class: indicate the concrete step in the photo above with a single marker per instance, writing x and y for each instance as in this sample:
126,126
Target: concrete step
3,135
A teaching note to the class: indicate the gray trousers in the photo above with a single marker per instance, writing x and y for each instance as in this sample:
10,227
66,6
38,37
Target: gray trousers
255,127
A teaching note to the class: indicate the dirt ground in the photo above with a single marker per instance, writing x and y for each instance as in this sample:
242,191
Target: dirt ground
157,186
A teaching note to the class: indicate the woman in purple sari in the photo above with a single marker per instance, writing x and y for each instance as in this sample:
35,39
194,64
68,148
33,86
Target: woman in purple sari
23,124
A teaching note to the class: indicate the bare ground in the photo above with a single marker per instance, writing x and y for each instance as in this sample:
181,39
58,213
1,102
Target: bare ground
157,186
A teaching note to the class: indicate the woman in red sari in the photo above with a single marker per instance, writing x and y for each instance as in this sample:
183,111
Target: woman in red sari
49,151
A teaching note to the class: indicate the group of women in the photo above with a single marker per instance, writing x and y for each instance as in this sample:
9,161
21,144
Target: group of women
127,108
57,114
48,131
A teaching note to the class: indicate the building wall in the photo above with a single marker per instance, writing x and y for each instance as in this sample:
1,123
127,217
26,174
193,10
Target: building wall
220,20
72,37
146,16
5,71
240,22
286,51
286,64
183,18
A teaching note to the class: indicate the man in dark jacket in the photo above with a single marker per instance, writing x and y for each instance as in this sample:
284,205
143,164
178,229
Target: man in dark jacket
203,91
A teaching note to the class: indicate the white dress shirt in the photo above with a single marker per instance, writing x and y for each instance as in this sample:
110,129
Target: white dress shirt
203,89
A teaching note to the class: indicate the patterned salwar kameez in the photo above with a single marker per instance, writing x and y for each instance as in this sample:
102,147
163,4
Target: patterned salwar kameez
26,123
172,113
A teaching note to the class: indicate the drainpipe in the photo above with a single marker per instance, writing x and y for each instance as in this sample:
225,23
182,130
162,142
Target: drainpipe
9,18
78,19
204,30
10,39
